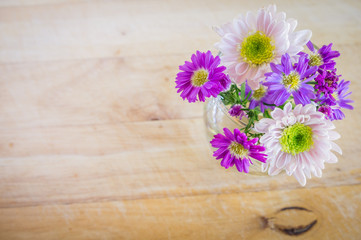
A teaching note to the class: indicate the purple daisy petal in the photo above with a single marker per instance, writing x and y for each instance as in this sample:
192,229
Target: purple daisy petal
201,78
310,46
336,101
326,54
235,149
292,80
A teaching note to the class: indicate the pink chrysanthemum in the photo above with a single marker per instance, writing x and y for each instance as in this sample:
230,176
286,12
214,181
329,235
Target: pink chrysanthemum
202,77
251,42
298,141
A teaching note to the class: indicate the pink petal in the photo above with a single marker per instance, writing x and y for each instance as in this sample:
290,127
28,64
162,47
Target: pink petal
277,114
291,166
241,68
287,108
273,170
254,84
260,20
263,125
251,20
282,160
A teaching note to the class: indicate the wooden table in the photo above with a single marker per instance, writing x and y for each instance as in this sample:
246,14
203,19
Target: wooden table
96,144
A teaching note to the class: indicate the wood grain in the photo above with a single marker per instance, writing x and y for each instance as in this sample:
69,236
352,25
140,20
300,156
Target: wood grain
133,161
209,216
96,144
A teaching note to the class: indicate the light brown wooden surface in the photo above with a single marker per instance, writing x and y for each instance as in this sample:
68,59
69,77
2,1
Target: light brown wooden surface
96,144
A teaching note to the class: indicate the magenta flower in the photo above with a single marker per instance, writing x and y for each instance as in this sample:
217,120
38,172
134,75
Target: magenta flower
236,111
326,82
337,101
202,77
325,109
287,79
323,58
236,149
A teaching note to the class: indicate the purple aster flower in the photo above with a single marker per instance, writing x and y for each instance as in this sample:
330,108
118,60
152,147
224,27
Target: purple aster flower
326,82
323,58
236,111
338,100
236,149
202,77
342,93
287,79
258,97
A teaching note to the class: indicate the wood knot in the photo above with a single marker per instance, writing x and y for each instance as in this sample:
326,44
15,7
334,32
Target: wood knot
292,221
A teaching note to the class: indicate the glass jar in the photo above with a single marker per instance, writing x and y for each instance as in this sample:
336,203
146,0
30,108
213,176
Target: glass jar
216,117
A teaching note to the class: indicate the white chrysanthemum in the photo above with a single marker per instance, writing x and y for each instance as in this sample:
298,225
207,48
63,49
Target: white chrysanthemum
250,43
298,141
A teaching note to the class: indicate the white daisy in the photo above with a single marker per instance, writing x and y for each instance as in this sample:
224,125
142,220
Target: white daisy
298,141
250,43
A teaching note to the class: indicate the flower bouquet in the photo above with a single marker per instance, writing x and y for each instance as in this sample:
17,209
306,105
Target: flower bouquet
288,96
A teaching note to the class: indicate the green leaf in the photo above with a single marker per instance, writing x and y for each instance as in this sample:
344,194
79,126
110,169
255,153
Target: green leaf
243,90
266,114
315,46
231,96
272,105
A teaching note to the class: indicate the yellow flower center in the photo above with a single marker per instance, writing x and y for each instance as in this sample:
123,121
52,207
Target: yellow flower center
315,60
259,93
238,150
257,49
292,80
329,82
335,95
199,78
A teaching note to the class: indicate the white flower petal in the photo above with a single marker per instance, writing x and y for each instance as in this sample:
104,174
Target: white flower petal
263,125
264,166
332,159
282,160
307,172
287,108
292,165
336,148
261,20
293,24
273,170
317,160
318,172
333,135
300,38
300,176
297,109
251,20
277,114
